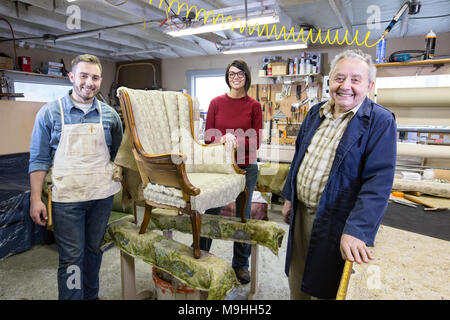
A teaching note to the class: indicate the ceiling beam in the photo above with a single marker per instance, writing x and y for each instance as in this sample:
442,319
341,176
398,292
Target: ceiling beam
66,48
142,10
57,22
339,11
34,31
133,36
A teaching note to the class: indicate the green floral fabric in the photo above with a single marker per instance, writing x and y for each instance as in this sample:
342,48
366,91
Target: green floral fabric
264,233
273,176
208,273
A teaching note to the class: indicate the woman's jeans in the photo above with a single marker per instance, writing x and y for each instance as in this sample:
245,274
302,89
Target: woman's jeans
241,251
79,228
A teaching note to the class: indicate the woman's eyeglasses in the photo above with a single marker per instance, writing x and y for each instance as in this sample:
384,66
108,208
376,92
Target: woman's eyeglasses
240,74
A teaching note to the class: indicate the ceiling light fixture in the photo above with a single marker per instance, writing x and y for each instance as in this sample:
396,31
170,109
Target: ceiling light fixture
219,26
277,46
127,53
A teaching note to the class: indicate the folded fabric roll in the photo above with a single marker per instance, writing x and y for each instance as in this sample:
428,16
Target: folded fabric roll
433,188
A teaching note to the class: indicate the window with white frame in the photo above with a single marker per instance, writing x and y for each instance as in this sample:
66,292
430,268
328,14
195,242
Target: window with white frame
36,87
206,85
40,92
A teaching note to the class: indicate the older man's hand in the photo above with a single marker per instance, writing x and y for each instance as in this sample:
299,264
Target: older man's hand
286,211
354,249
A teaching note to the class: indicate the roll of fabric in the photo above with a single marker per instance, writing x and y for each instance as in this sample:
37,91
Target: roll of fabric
433,188
423,150
414,97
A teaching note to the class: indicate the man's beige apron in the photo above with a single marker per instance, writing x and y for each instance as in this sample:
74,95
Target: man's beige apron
82,169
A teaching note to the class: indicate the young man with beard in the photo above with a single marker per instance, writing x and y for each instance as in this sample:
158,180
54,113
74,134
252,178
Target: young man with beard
78,137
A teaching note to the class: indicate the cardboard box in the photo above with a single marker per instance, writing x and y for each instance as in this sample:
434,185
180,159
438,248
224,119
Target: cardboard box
6,63
279,68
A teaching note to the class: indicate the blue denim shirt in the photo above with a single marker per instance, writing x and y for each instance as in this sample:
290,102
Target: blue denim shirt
47,129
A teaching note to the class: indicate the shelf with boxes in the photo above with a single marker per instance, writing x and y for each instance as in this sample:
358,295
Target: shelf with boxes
306,64
432,62
33,74
8,78
292,75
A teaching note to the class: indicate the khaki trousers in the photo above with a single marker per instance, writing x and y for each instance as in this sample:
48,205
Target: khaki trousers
303,223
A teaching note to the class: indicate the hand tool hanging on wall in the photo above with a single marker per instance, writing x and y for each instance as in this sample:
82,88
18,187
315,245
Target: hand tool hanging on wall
270,131
294,110
298,92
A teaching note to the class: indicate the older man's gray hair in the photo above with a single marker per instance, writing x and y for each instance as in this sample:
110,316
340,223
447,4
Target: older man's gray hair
358,54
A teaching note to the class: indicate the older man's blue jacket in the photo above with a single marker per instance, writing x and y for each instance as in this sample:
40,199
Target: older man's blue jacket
355,197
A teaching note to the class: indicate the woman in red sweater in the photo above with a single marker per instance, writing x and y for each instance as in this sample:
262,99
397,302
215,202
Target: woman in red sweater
235,119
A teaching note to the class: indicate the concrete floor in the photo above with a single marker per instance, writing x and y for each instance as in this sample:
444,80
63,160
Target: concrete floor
406,266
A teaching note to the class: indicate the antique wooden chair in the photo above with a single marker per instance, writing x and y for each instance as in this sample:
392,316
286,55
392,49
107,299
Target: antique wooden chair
177,171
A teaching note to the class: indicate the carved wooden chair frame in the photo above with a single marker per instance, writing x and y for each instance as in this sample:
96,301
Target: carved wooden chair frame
169,170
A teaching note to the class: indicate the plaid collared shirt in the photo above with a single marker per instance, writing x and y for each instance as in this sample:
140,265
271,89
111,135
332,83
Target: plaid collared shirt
315,168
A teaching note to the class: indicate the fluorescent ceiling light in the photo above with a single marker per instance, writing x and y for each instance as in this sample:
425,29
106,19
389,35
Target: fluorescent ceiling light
280,46
219,26
96,34
77,35
156,49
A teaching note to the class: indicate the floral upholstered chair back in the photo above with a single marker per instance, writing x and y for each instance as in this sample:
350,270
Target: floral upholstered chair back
163,121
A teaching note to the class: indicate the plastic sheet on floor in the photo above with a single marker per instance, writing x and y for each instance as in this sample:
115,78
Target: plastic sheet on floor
18,232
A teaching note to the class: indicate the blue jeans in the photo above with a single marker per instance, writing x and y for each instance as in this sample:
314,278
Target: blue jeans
241,251
79,228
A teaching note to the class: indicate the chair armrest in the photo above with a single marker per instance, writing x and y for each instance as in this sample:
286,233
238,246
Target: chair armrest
165,169
214,158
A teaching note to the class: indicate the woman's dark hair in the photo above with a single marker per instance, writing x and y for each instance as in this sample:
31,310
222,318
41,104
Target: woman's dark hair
241,65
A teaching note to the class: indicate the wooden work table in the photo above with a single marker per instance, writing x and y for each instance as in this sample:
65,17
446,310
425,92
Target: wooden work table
407,266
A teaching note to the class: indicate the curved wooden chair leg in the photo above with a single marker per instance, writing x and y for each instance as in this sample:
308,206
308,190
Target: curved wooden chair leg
196,222
243,198
145,222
